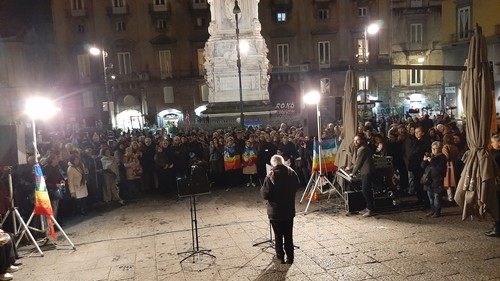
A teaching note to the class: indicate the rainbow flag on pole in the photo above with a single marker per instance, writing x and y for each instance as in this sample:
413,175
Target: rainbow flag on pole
328,154
42,200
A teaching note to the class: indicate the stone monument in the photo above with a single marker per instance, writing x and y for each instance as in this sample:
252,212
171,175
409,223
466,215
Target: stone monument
221,61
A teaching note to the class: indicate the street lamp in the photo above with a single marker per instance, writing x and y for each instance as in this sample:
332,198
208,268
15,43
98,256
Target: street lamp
370,29
96,51
39,108
236,11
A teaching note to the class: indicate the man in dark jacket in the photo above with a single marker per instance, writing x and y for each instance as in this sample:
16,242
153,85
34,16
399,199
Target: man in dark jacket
364,165
420,146
279,190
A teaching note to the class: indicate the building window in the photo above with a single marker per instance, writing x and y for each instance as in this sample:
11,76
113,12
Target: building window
463,20
363,83
363,51
165,60
324,54
118,3
168,94
83,68
81,28
362,11
77,5
323,14
416,77
88,99
161,24
120,26
200,22
124,65
283,54
201,62
281,17
416,33
160,2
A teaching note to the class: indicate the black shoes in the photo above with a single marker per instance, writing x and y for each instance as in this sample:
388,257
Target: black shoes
289,261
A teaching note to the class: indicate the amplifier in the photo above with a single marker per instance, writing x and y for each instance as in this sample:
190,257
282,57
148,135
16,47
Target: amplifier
354,201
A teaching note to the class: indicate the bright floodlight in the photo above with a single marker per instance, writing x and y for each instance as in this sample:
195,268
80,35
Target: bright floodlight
94,51
40,108
373,28
311,98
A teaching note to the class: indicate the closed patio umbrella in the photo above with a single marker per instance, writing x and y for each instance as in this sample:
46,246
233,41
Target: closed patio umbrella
350,120
477,186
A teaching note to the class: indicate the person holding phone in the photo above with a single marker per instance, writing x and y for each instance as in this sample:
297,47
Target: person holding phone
435,164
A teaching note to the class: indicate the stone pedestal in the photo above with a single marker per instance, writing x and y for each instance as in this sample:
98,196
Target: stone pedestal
221,61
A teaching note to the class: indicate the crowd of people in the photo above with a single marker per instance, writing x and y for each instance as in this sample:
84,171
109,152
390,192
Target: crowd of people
84,170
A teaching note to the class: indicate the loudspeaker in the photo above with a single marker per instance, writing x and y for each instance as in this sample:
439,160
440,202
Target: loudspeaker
354,201
12,146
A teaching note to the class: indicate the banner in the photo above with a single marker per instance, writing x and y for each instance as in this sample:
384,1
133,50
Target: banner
328,154
42,200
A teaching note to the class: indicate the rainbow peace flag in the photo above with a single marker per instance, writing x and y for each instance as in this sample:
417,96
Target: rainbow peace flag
328,154
232,160
42,200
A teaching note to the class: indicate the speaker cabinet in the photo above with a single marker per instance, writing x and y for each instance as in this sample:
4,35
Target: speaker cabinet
12,145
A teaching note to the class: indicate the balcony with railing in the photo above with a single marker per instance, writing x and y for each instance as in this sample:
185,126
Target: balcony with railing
199,6
290,68
115,10
79,13
155,8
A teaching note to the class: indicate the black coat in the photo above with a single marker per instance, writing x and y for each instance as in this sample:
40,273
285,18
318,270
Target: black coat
279,190
437,169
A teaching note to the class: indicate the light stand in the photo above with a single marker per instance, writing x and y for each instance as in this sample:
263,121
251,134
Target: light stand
237,11
96,51
317,177
36,108
371,29
16,217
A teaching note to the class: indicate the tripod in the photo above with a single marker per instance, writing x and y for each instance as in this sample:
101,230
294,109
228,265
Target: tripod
195,252
317,181
41,194
16,217
269,243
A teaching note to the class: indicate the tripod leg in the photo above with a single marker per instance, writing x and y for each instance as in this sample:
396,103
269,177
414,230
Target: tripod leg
312,190
311,180
26,230
62,231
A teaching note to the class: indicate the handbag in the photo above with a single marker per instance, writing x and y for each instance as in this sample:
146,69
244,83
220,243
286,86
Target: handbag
4,238
426,177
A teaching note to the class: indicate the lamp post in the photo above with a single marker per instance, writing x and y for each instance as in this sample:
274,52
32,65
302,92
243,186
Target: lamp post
370,29
313,98
39,108
236,11
96,51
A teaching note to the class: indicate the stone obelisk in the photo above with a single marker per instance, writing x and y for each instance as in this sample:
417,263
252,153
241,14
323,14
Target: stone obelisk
221,61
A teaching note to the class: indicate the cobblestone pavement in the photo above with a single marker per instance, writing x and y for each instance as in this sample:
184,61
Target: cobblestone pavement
141,241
